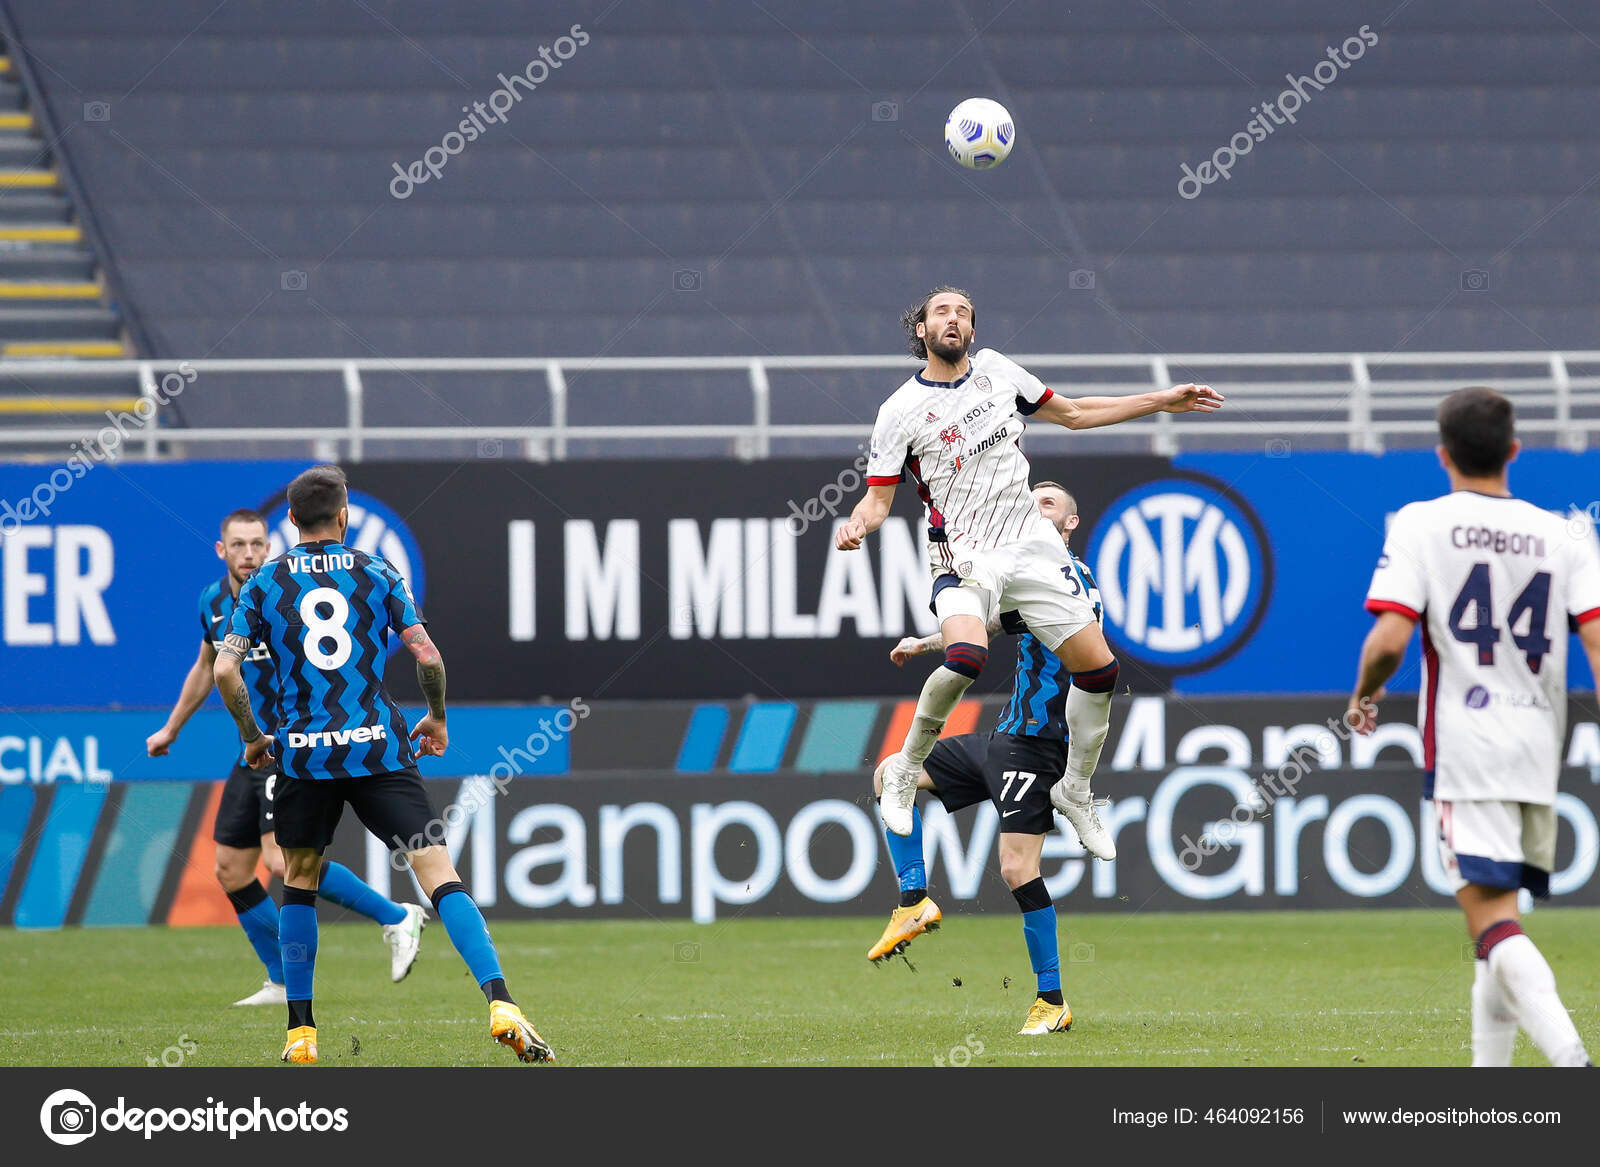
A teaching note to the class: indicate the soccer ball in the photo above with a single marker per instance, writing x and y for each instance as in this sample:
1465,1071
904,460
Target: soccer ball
979,133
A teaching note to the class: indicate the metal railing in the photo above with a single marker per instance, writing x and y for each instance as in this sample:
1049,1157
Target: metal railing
1356,400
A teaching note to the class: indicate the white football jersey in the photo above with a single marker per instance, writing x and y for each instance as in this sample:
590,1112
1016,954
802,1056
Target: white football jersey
1497,584
961,441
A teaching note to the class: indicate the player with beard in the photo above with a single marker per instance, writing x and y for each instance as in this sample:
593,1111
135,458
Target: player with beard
956,428
245,832
1006,767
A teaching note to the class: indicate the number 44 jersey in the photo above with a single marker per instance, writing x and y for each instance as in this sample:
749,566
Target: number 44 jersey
326,613
1497,584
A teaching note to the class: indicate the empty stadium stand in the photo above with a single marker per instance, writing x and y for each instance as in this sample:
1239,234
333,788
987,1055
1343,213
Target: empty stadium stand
53,299
733,177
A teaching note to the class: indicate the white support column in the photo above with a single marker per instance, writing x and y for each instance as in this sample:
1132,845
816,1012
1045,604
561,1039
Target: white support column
1568,436
761,412
558,416
354,411
147,392
1363,434
1163,442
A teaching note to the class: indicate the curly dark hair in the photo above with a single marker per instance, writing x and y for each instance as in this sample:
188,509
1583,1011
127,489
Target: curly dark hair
918,313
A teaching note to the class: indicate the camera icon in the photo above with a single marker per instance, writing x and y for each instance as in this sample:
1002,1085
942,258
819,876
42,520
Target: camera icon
1469,951
1080,953
1278,448
491,448
886,111
686,280
686,952
1475,280
97,111
68,1117
292,281
1080,280
295,951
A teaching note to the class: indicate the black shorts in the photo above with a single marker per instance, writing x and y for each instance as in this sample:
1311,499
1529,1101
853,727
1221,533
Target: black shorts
1014,772
245,812
393,806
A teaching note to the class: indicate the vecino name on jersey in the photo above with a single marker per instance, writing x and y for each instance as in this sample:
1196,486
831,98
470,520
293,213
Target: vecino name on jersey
312,563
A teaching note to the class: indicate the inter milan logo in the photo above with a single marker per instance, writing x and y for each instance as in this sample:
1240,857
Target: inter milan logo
1183,570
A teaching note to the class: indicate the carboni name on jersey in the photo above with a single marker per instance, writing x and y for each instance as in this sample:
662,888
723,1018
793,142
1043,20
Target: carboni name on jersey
337,737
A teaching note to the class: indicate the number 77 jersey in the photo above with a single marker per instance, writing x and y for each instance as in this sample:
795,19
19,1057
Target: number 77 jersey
1497,584
326,613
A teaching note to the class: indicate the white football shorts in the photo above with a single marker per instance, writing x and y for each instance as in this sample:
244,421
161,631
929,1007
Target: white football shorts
1036,579
1506,845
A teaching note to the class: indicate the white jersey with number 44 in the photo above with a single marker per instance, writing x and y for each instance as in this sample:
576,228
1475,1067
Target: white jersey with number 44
1497,585
961,442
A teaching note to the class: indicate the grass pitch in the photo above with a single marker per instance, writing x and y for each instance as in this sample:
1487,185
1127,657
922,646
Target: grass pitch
1201,989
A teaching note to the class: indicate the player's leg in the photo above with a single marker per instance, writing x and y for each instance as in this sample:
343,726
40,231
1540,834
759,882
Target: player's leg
1493,849
306,812
955,775
297,936
1019,867
395,807
236,834
402,923
1093,668
905,851
962,613
1016,770
1053,599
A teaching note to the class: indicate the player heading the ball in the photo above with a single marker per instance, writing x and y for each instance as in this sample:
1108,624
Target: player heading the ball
956,428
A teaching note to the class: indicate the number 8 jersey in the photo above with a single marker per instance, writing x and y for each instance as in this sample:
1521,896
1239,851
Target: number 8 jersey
1497,585
326,613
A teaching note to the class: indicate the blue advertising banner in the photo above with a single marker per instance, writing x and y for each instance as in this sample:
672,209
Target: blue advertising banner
95,748
1275,594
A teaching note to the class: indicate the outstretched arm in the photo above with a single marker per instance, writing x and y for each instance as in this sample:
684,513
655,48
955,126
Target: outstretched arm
257,745
1381,654
867,517
911,646
1083,413
196,688
430,733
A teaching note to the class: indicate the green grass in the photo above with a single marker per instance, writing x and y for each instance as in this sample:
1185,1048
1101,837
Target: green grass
1276,989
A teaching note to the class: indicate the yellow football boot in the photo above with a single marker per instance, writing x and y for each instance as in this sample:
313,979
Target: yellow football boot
1046,1018
510,1028
301,1046
905,925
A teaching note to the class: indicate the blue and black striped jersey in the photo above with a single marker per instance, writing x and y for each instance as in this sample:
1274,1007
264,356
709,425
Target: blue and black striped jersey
216,617
326,613
1038,705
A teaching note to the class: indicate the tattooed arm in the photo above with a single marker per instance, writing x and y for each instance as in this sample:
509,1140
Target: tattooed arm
257,745
430,733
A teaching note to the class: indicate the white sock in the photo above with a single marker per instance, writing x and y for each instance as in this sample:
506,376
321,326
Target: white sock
1494,1021
1530,987
1088,719
941,693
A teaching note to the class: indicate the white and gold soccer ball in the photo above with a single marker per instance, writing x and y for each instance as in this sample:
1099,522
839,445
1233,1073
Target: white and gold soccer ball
979,133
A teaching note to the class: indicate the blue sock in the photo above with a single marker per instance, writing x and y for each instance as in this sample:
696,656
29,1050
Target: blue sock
464,922
341,885
1039,930
906,852
258,916
297,936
